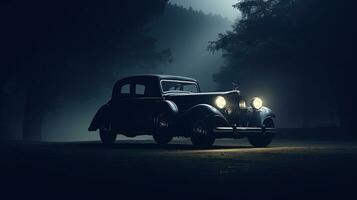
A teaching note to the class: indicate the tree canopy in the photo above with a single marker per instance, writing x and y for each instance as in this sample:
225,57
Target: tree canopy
307,41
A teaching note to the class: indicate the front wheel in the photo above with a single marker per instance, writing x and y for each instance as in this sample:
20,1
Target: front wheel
201,133
107,137
262,139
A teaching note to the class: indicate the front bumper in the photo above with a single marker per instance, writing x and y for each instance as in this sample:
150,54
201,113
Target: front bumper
240,132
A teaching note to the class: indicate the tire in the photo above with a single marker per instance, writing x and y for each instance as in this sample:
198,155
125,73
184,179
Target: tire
107,137
201,133
163,135
262,139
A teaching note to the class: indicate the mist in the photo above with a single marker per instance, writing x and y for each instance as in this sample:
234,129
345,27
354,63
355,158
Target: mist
221,7
185,32
55,77
276,117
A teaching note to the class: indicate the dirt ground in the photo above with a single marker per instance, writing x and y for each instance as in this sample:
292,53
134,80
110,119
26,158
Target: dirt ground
231,169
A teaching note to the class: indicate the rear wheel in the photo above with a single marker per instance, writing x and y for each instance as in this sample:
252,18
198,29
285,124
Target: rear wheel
163,135
201,133
162,140
262,139
107,137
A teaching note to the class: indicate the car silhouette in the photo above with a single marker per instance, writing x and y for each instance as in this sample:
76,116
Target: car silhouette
167,106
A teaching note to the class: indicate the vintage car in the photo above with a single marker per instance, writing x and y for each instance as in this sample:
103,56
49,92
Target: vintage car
173,106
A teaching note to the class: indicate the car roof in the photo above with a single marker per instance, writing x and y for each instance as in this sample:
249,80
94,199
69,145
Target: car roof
160,77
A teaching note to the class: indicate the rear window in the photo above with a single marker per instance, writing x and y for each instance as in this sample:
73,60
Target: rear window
125,89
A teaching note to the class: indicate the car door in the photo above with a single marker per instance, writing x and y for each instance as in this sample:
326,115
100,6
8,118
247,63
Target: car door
121,116
145,102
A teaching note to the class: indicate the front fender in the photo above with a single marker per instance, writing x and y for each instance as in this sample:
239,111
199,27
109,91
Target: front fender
205,110
257,117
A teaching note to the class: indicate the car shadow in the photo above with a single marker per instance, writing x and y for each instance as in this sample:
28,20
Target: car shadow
132,145
150,146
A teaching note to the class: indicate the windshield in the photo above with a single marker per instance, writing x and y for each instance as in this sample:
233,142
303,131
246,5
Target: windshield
179,86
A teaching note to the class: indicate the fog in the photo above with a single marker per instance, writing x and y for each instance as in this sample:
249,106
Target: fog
62,60
220,7
188,41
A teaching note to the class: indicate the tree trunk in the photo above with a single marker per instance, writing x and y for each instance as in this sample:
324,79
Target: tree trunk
33,118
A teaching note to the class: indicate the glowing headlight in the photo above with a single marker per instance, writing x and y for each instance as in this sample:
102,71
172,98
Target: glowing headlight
220,102
257,103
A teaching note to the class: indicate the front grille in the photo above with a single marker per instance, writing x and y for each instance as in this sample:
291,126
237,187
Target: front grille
237,117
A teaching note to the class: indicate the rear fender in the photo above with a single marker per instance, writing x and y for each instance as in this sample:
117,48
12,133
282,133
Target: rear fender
101,118
169,108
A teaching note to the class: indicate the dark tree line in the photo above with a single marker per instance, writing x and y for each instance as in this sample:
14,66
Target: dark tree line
55,49
307,42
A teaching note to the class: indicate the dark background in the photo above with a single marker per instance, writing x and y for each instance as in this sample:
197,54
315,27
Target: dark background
61,58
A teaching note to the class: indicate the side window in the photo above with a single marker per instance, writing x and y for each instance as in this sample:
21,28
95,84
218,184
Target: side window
140,89
125,89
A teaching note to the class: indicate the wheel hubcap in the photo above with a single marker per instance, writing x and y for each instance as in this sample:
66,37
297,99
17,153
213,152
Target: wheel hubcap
163,124
199,129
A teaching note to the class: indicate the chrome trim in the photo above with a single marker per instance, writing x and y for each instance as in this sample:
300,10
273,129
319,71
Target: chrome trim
242,129
150,98
223,130
140,98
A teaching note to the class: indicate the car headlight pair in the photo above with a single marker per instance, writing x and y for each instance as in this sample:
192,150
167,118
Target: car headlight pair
256,103
221,103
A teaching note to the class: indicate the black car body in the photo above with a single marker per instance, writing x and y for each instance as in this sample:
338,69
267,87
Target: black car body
172,106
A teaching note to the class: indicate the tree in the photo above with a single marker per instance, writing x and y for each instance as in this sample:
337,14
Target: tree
68,48
295,39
